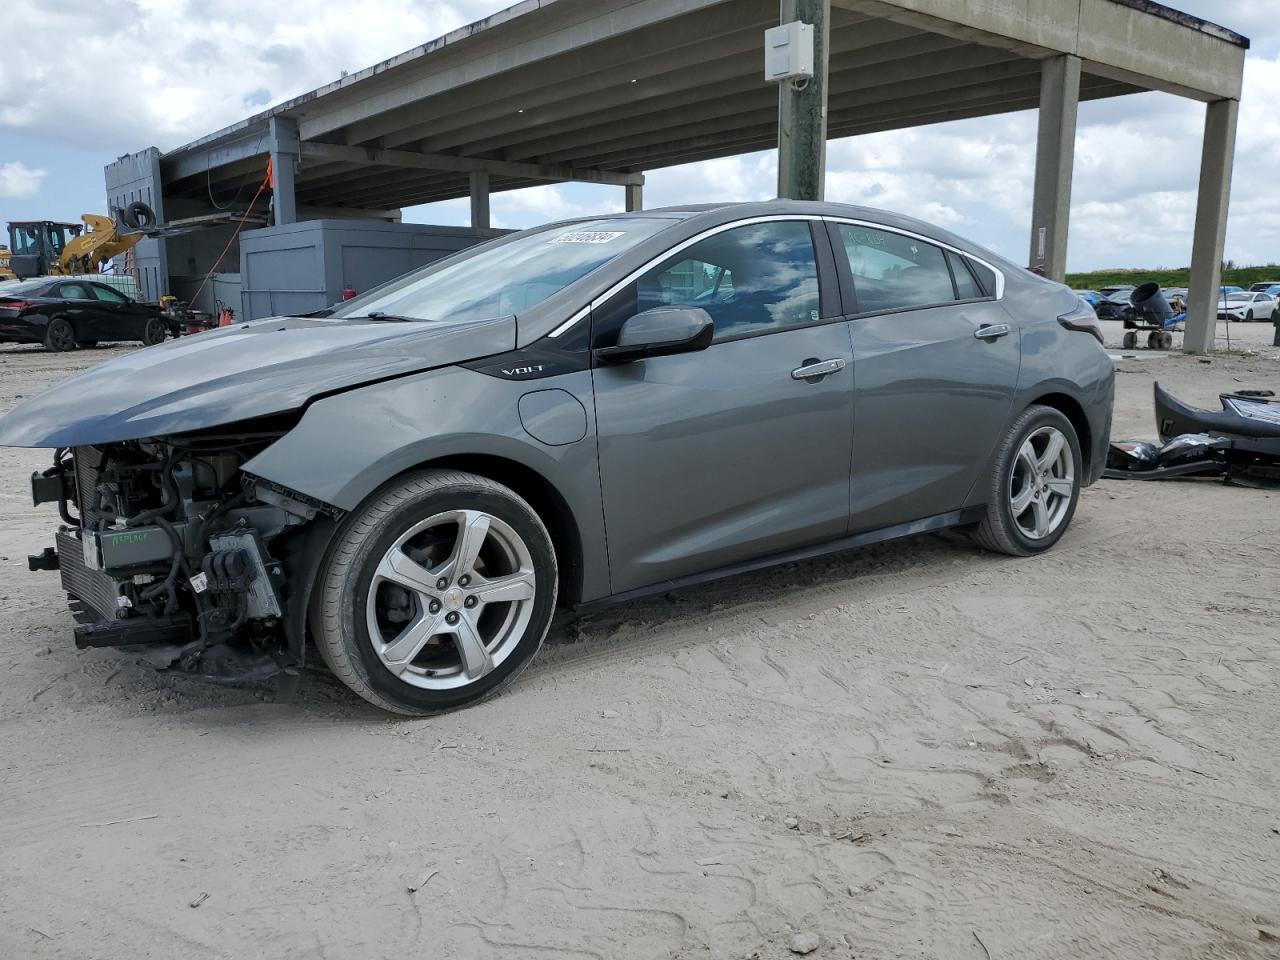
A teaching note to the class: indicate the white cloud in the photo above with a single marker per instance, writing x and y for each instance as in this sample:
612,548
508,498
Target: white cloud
164,72
19,180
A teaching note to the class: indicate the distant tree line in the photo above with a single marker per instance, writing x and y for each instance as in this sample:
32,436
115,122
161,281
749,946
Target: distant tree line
1231,276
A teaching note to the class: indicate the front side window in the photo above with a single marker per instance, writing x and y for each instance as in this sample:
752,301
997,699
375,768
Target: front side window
109,295
506,278
752,279
25,240
895,272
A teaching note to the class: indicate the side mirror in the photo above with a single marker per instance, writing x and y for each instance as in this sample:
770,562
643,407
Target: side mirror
661,332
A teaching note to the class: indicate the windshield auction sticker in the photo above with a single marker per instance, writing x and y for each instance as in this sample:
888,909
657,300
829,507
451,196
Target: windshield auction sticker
588,236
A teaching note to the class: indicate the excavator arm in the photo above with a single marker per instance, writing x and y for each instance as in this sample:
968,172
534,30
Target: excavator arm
99,243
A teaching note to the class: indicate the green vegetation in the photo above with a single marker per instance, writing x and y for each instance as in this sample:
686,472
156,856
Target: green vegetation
1233,276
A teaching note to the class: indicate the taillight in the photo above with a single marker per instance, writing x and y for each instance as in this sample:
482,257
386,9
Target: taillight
17,306
1084,320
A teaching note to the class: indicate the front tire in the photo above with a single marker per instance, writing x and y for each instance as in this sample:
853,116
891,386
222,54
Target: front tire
59,335
155,332
1034,486
436,594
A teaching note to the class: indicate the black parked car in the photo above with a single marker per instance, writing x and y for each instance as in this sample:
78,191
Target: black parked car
63,313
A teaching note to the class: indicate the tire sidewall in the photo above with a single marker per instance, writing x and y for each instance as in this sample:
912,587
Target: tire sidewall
1035,419
158,325
55,324
355,591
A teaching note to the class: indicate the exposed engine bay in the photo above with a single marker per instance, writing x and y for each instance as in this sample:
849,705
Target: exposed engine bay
167,544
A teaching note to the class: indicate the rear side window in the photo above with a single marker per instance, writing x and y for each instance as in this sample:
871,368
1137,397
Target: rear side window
966,285
74,291
986,277
895,272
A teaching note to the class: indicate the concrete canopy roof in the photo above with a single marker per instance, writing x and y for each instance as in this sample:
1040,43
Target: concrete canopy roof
601,90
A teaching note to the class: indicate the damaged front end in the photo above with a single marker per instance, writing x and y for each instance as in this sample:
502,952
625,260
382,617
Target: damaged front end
168,547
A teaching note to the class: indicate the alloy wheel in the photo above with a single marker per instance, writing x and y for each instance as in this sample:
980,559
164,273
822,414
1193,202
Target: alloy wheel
450,599
1042,483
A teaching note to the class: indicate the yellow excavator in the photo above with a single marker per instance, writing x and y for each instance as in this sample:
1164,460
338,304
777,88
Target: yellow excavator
39,248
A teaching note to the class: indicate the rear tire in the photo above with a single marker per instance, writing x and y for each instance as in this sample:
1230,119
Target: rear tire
1034,486
436,594
59,335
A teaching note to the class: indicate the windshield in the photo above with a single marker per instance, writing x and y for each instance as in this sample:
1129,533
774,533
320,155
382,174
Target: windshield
1240,297
506,278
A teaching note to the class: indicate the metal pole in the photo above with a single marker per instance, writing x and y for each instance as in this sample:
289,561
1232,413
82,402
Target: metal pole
802,110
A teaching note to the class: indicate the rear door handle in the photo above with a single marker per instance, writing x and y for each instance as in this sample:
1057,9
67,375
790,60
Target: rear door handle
991,331
816,369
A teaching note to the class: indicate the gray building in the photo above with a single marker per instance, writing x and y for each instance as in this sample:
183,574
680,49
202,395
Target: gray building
603,90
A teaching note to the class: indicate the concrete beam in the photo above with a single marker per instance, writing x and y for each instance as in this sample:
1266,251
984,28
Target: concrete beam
863,70
1216,160
199,163
706,122
1055,161
491,51
439,161
479,201
284,163
1161,52
728,58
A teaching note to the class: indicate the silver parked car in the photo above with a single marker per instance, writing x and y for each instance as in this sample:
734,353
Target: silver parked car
581,413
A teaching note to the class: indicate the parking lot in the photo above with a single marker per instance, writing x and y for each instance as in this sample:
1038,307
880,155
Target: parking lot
916,750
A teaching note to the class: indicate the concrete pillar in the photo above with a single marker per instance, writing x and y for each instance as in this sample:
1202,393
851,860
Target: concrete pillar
1216,160
284,162
635,197
802,113
1055,160
480,201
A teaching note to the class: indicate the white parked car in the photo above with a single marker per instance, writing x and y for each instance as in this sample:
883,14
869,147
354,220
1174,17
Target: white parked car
1247,306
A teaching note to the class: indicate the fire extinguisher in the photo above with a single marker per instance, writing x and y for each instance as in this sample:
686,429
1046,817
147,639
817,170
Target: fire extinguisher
348,292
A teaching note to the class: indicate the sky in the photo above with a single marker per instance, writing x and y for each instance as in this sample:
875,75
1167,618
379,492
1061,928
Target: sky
93,79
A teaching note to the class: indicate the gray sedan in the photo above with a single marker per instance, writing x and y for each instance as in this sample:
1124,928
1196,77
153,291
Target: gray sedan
577,414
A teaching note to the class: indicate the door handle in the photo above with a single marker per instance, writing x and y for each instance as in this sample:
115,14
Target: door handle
817,369
992,331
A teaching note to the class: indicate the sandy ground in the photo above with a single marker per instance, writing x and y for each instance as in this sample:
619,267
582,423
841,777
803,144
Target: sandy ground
914,751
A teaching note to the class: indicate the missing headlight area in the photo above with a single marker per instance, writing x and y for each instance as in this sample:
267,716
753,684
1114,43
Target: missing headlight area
168,544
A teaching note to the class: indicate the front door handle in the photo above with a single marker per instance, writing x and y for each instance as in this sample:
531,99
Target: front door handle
815,370
992,331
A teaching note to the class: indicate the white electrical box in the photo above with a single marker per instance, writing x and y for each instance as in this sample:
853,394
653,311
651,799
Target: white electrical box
788,52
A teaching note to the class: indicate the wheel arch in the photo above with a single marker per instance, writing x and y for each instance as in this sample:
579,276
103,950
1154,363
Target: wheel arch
1073,410
540,493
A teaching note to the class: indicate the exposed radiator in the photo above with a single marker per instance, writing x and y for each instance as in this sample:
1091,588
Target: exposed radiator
88,464
93,588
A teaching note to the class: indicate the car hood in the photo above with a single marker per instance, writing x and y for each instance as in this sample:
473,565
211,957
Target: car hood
237,373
